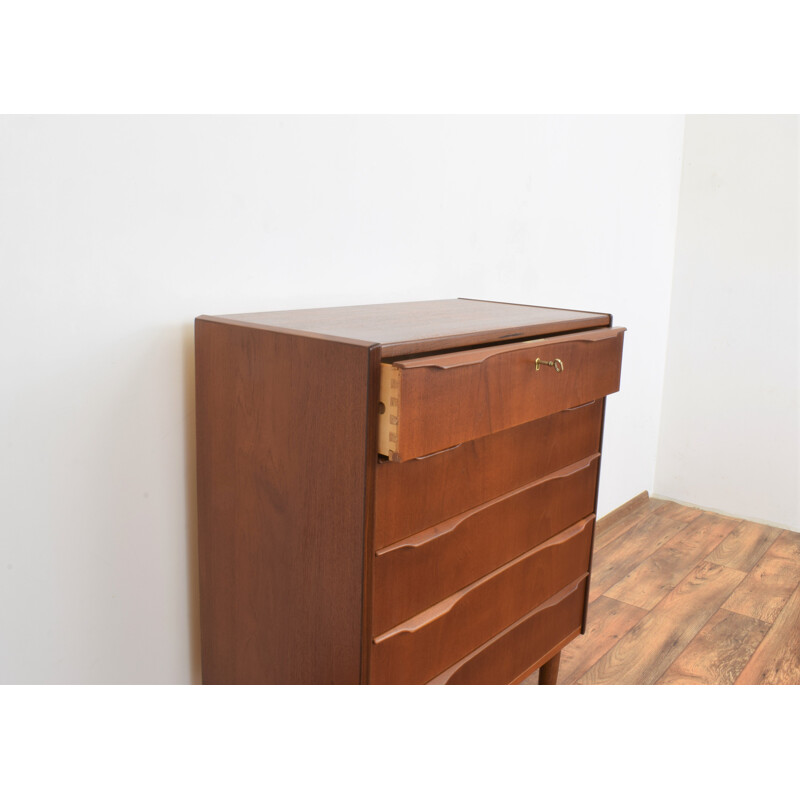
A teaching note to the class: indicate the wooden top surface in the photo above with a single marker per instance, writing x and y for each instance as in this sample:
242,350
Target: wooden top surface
404,328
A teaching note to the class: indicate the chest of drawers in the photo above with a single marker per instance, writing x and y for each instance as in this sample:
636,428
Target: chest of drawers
397,493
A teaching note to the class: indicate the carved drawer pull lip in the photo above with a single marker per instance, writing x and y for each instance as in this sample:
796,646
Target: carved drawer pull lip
479,355
556,599
438,452
427,535
582,405
444,607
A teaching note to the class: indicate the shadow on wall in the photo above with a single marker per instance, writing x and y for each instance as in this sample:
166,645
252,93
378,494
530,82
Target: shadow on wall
192,565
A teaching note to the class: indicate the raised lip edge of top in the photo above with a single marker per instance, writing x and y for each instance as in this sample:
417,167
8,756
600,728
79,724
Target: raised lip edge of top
408,346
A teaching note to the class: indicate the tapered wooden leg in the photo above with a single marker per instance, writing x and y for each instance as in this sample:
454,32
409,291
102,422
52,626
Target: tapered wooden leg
548,672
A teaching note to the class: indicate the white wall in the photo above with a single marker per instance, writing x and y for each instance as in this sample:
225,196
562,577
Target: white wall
730,432
116,232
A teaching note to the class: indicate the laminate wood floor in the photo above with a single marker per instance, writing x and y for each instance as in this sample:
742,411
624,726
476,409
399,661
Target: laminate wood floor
684,596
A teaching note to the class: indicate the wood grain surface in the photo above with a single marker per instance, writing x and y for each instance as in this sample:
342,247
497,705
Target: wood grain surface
518,648
607,531
636,505
450,482
769,584
607,622
777,659
281,489
707,630
745,546
301,526
648,649
615,560
423,646
719,652
662,571
548,673
676,512
417,572
447,399
424,326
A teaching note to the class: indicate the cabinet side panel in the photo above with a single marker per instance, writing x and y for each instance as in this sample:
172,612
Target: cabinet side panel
281,435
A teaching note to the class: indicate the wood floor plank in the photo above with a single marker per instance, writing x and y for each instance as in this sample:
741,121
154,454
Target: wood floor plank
745,546
661,572
719,652
607,533
643,655
777,658
607,622
614,561
634,504
676,511
769,584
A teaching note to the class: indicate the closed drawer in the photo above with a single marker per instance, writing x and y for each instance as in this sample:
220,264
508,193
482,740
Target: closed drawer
434,402
417,572
425,645
516,650
421,492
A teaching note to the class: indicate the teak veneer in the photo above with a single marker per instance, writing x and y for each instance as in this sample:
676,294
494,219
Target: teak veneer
398,493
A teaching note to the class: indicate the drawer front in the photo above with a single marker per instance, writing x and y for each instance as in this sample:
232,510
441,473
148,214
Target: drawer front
516,650
435,402
422,492
425,645
417,572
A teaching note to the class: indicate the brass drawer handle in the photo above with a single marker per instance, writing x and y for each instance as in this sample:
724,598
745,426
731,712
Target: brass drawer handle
557,364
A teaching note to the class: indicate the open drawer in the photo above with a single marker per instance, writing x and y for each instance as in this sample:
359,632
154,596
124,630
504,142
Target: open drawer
438,401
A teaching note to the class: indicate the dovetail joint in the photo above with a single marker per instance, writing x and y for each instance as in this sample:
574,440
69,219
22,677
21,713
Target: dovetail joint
388,431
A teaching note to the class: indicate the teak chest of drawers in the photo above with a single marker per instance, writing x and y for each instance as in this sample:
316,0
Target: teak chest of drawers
398,493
